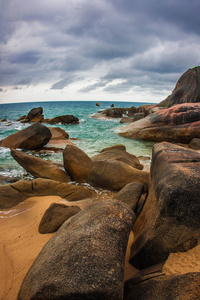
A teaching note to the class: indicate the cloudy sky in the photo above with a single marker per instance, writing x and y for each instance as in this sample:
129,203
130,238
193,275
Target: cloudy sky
128,50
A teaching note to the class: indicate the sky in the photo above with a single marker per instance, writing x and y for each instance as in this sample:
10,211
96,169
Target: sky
101,50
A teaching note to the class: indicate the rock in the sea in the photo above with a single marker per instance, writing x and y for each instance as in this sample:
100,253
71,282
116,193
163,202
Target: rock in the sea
34,113
187,88
65,119
85,257
169,221
98,104
130,194
77,164
13,194
114,175
118,146
33,137
179,123
55,216
119,155
195,144
176,287
58,133
39,167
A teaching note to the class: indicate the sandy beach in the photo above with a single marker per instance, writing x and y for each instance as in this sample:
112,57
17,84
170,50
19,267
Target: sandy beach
21,243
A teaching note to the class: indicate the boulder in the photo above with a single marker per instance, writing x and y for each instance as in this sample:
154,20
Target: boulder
119,155
34,113
33,137
115,112
55,216
98,104
58,133
187,88
169,221
179,123
126,120
195,144
39,167
119,146
13,194
138,116
131,111
65,119
114,175
77,164
6,179
37,118
176,287
130,194
85,258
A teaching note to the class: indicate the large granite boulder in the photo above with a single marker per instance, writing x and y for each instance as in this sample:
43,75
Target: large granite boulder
13,194
65,119
77,164
39,167
33,137
187,88
55,216
130,194
85,257
176,287
34,113
169,221
114,175
179,123
119,155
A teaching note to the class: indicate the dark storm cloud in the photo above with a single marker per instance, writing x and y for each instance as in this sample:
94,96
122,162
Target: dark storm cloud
141,43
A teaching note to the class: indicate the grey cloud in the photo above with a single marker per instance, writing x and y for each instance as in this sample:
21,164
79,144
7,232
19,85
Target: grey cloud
28,57
61,84
1,90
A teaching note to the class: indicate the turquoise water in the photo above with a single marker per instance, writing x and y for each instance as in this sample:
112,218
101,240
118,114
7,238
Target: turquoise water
93,134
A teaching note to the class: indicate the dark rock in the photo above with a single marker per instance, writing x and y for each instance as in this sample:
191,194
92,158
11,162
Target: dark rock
130,194
195,144
66,119
4,120
114,175
15,193
77,164
138,116
112,105
34,113
85,257
119,155
187,88
58,133
39,167
55,216
33,137
169,221
176,287
6,179
37,118
131,111
115,112
98,104
22,118
126,120
119,147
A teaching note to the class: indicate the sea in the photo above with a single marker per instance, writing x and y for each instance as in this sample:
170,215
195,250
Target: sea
92,134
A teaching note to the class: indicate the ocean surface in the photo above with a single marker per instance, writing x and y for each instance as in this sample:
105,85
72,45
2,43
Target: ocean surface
93,134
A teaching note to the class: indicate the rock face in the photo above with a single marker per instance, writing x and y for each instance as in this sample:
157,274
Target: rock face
179,123
65,119
55,216
15,193
169,221
119,155
33,137
114,175
73,264
195,144
130,194
187,88
77,164
176,287
39,167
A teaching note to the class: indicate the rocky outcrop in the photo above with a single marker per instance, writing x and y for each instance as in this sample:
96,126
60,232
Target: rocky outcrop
6,179
15,193
114,175
179,123
169,221
119,155
55,216
126,120
33,137
118,146
77,164
187,88
176,287
39,167
65,119
195,144
73,264
130,194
